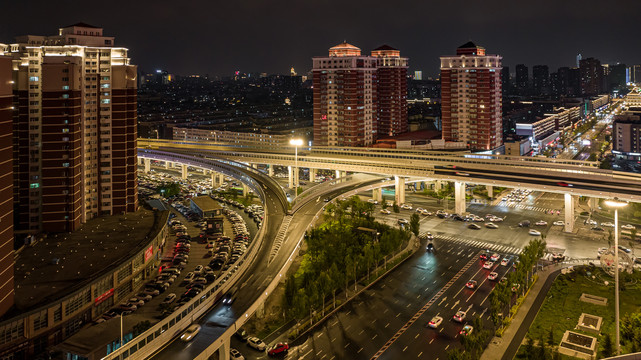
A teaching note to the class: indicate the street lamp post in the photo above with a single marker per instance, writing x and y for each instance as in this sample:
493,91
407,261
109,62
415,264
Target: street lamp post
616,205
296,143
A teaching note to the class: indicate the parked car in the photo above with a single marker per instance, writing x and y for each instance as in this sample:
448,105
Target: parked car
256,343
169,298
279,349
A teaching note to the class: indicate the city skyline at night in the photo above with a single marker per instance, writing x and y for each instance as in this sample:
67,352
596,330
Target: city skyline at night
218,39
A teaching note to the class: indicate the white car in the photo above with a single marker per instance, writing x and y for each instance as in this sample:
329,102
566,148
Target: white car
419,210
558,223
488,265
505,261
491,226
608,224
151,291
495,257
435,322
256,343
235,354
592,222
541,223
136,301
534,232
190,333
385,212
493,276
628,227
169,299
406,206
496,219
372,201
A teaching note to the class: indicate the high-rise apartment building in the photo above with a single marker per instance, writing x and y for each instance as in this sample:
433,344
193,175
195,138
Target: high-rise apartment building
6,185
591,73
522,79
391,91
75,130
418,75
471,97
356,96
541,79
505,80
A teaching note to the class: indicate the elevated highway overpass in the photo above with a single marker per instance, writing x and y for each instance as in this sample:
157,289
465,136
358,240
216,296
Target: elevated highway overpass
572,178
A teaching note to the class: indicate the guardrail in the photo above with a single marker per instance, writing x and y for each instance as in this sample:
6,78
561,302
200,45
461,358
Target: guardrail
147,343
304,197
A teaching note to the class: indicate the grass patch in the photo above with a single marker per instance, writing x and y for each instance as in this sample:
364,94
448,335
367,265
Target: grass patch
562,308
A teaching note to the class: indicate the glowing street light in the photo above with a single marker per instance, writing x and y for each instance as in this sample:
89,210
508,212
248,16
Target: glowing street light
296,143
616,204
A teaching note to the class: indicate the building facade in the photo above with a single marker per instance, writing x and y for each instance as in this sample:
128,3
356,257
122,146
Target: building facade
591,73
391,91
7,292
356,97
231,137
626,134
471,97
344,97
522,79
75,130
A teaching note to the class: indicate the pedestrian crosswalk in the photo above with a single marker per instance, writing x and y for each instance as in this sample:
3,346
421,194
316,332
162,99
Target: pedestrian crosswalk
500,248
526,207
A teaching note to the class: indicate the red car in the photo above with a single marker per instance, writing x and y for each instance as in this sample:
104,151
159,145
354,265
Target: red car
278,349
483,256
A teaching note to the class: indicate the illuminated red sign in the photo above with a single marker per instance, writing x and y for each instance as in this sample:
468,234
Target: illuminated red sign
109,293
149,253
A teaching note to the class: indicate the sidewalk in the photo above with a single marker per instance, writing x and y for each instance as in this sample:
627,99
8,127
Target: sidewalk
513,336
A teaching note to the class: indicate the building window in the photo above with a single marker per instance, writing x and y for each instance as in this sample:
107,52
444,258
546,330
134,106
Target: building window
77,302
40,320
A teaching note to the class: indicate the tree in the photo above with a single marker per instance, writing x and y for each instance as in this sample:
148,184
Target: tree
415,225
551,336
384,204
541,350
608,347
396,208
529,347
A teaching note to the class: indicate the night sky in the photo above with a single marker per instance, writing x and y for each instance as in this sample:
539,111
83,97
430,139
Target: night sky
217,37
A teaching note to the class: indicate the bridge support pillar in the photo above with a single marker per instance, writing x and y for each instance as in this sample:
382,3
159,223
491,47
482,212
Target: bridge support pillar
270,170
490,191
185,173
459,197
223,350
166,164
290,177
569,212
438,185
312,175
338,174
399,189
245,189
147,163
593,203
214,180
377,194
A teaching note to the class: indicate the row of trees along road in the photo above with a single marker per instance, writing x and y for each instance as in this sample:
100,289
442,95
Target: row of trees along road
339,252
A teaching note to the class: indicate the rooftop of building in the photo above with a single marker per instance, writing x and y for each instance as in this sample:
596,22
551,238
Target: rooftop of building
97,337
385,48
345,45
62,263
82,24
469,45
206,203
